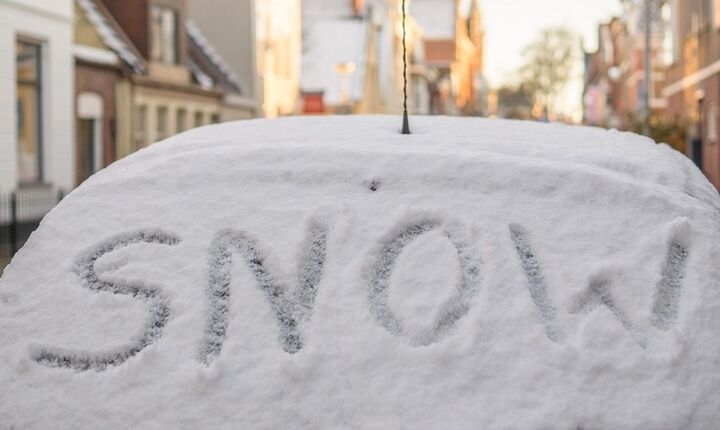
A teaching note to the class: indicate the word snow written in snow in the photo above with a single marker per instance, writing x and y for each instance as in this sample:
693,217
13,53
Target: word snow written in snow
291,307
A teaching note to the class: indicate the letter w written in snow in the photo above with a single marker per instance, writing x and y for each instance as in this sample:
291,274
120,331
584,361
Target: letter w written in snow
667,297
289,307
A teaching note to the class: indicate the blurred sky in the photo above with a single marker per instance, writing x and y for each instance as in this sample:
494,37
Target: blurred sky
512,24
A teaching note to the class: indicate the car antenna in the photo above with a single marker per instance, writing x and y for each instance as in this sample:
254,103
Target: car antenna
406,123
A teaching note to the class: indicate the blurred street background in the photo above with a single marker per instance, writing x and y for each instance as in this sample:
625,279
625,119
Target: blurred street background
87,82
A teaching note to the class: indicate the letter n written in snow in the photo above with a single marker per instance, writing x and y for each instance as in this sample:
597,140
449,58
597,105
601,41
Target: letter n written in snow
289,307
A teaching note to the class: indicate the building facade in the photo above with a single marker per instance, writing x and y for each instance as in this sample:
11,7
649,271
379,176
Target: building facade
166,99
693,90
185,83
362,71
336,39
36,115
605,92
260,41
230,27
615,87
279,49
105,61
453,39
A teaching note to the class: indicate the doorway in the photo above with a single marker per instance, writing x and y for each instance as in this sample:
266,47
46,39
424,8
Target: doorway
89,135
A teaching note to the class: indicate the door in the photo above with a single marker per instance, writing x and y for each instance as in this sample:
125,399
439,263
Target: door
86,149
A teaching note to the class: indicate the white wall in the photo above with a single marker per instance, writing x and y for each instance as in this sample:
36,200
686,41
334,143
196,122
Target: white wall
50,21
229,26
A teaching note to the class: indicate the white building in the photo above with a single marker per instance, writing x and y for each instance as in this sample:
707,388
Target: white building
352,54
37,84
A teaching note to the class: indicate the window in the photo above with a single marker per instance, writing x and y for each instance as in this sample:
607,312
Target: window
712,123
162,122
29,111
215,118
607,44
669,48
141,129
164,35
198,118
181,120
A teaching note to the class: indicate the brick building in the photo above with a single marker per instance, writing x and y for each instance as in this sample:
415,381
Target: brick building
104,63
144,72
614,88
693,90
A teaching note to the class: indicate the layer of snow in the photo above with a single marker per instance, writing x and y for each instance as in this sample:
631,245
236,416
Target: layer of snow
95,55
333,273
205,81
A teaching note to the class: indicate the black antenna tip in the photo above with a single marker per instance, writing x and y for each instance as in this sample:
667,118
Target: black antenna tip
406,124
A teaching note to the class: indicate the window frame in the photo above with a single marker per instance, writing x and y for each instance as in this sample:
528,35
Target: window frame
40,49
181,118
162,120
158,13
141,126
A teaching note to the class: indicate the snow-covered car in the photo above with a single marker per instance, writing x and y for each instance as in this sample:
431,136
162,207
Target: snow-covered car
333,273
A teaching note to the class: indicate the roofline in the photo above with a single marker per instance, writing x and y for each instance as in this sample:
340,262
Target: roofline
142,66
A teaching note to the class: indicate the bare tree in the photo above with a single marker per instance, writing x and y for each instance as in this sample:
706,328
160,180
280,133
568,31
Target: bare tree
549,63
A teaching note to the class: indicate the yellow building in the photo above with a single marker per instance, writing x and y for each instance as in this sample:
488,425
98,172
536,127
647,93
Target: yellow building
468,67
260,41
278,54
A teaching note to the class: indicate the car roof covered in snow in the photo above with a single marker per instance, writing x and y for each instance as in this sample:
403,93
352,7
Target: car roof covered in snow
329,272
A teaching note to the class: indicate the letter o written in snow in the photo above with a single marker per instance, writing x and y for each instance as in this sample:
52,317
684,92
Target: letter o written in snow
450,312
